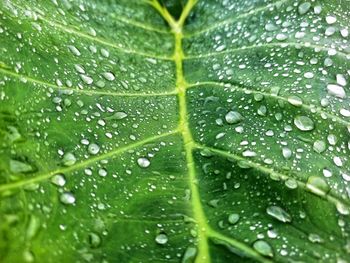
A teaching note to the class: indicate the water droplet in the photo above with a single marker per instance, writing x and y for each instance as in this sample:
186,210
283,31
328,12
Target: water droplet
331,19
291,183
341,80
286,152
264,248
162,239
20,167
190,255
317,185
342,208
120,115
279,214
88,80
33,227
67,198
336,90
304,123
337,161
304,8
143,162
233,218
295,101
314,238
93,148
94,240
69,159
108,76
233,117
58,180
326,173
74,50
319,146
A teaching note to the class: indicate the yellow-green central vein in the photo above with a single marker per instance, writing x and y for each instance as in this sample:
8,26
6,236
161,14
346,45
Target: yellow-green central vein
189,144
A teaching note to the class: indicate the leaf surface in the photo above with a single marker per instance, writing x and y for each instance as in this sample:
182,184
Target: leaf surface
173,131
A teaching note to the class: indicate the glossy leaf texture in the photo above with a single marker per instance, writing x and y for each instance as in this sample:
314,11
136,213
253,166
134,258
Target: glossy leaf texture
211,131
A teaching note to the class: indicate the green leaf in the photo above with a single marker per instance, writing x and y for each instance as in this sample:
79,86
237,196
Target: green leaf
217,131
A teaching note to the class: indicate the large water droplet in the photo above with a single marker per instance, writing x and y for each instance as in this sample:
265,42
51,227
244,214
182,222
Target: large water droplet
279,214
304,123
162,239
233,218
69,159
233,117
93,148
67,198
58,180
264,248
143,162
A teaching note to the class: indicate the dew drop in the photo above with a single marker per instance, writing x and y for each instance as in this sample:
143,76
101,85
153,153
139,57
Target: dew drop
304,123
143,162
74,50
20,167
93,148
304,8
317,185
108,76
319,146
295,101
264,248
233,218
69,159
94,240
88,80
291,183
336,90
58,179
279,214
67,198
233,117
161,239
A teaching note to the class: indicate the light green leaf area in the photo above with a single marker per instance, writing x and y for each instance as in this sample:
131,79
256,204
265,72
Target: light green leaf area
211,131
